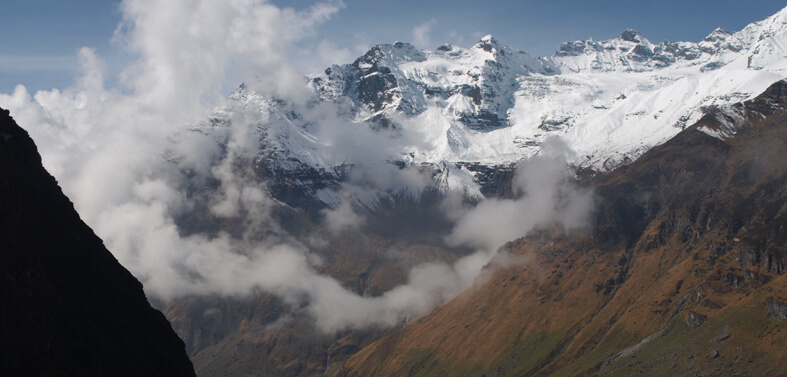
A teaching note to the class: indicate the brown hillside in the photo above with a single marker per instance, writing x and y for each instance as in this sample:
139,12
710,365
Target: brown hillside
681,273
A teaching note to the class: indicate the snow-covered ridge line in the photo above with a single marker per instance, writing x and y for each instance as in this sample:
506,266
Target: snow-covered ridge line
610,101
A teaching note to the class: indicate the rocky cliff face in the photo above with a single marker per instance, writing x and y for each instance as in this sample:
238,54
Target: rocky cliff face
682,273
68,307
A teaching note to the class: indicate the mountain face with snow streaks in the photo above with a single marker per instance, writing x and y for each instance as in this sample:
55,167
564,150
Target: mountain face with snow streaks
610,101
682,273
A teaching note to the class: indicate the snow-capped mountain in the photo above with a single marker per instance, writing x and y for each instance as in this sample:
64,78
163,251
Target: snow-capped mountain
610,101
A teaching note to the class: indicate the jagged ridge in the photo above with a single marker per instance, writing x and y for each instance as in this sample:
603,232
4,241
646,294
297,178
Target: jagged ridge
609,100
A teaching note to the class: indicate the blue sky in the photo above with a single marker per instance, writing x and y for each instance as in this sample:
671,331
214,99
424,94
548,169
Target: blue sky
41,37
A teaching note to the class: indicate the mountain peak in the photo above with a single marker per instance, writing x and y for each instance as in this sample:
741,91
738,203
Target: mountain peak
631,35
489,38
487,43
397,51
716,35
774,24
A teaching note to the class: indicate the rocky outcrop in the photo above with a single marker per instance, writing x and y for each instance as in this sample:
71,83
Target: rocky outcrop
695,320
776,309
68,307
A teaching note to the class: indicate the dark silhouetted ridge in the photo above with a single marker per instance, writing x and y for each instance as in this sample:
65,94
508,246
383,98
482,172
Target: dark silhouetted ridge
67,307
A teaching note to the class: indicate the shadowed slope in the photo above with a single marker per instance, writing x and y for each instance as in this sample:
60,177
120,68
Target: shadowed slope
67,307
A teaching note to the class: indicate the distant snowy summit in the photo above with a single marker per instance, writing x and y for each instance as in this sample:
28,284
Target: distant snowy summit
633,52
610,101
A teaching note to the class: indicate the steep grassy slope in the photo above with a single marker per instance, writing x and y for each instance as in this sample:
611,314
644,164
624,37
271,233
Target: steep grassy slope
681,273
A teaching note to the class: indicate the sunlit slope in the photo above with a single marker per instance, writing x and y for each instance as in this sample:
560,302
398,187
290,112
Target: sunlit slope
682,273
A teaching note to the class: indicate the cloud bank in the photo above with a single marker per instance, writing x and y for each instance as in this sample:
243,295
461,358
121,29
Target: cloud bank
546,196
129,159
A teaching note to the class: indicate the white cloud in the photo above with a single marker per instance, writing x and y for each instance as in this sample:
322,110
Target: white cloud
422,34
105,145
547,196
120,153
342,217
